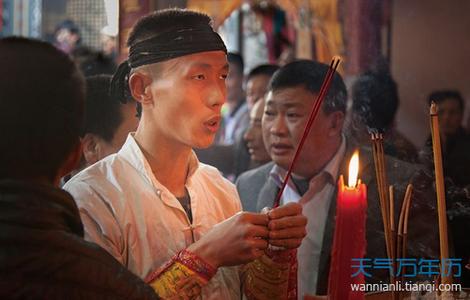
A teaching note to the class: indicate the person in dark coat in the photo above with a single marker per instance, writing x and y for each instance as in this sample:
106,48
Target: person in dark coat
43,254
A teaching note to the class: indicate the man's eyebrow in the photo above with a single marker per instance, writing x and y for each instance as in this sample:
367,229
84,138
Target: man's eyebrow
201,65
285,105
291,104
269,103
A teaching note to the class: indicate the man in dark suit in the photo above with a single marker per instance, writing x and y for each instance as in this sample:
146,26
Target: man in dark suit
323,158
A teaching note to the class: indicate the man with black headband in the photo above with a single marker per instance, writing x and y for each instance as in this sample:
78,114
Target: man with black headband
153,205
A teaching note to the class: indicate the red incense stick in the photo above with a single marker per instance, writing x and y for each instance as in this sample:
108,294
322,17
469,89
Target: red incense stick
313,114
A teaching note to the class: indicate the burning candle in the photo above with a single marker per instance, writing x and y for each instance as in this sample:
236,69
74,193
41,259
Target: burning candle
350,236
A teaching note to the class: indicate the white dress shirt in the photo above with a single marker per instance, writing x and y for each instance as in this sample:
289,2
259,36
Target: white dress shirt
316,210
126,211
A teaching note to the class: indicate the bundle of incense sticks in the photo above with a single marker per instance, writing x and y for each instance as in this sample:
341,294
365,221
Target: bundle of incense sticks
440,191
313,114
395,236
401,232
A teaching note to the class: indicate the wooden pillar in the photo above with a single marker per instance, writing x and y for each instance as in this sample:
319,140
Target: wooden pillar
303,49
129,12
362,33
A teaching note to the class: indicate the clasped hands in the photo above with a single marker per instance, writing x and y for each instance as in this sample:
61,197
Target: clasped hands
245,236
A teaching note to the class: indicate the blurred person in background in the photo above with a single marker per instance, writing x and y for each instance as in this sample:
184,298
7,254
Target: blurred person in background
67,36
256,86
257,83
109,42
455,143
235,111
92,62
254,136
107,123
374,106
107,120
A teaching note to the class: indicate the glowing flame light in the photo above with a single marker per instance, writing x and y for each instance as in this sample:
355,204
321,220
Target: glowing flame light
353,170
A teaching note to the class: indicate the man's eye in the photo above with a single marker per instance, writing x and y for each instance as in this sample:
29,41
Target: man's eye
224,76
293,115
199,77
269,113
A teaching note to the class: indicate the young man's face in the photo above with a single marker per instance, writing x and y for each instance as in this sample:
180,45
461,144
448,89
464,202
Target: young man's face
187,97
256,88
285,116
450,116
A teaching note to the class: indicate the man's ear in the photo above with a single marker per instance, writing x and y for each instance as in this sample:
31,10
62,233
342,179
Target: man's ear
336,123
90,148
139,85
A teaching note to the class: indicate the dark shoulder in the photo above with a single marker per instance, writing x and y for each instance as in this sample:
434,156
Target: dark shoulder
249,185
64,266
397,169
258,174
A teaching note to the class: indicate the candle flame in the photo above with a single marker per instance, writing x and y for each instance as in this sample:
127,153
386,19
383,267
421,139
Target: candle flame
353,169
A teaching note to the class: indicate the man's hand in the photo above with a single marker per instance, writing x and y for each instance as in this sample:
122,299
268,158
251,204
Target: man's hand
287,226
237,240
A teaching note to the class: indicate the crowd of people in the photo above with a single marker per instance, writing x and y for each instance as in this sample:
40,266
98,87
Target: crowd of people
158,179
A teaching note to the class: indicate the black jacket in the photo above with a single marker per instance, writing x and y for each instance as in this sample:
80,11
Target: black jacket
43,254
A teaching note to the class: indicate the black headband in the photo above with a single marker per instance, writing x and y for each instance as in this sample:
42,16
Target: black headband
164,46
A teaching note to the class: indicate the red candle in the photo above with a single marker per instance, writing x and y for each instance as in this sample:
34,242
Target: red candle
350,236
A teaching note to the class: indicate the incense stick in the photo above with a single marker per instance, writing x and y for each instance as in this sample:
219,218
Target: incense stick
382,188
440,191
383,173
392,239
403,221
316,107
392,223
407,203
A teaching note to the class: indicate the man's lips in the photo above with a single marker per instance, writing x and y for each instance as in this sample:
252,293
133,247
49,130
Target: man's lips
213,123
251,148
281,148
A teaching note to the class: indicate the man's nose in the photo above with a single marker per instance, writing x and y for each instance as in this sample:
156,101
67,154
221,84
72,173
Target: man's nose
217,95
248,136
279,126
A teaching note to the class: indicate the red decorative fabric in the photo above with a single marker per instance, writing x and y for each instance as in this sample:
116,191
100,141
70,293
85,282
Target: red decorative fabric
191,261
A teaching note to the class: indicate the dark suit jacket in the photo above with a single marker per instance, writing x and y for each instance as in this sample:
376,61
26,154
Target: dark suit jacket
257,190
